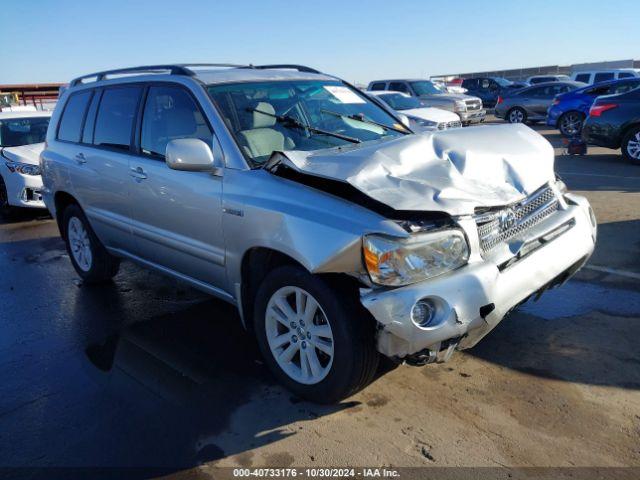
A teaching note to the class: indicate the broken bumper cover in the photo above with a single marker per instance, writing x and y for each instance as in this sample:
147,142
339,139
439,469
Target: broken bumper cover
472,300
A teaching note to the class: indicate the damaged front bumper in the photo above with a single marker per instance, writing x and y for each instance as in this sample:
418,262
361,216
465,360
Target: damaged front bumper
469,302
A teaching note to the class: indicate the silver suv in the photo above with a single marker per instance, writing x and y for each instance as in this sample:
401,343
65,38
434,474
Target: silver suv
337,232
468,107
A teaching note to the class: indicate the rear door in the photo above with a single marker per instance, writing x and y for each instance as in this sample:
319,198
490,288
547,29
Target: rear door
176,215
107,140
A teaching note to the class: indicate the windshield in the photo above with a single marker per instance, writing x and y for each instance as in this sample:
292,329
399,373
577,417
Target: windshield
426,87
299,115
503,82
400,102
23,131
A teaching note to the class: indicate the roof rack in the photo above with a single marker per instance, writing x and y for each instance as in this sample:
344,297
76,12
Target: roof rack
300,68
173,69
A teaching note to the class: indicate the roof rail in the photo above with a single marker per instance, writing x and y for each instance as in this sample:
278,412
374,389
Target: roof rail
300,68
173,69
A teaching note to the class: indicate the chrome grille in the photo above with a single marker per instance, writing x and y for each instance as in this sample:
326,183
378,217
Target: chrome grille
447,125
505,223
473,104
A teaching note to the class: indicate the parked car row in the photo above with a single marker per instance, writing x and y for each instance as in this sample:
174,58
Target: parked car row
468,108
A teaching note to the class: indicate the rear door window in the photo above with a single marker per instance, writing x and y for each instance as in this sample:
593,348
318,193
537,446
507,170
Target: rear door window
171,113
73,115
116,116
583,77
603,76
625,86
377,86
399,87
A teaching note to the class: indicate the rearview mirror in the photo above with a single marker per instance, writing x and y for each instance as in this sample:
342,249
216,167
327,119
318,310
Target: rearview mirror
189,154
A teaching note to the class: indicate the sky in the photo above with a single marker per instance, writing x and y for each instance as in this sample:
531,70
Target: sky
56,40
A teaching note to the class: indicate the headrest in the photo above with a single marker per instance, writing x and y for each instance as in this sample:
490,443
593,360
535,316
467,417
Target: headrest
264,121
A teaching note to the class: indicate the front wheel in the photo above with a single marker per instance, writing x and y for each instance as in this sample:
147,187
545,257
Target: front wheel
5,209
319,345
88,256
570,124
517,115
631,146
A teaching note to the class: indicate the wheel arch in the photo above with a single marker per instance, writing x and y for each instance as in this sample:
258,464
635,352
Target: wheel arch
258,262
61,201
624,131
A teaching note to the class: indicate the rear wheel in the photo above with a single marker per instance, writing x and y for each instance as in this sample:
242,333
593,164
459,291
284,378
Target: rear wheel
88,256
631,145
317,343
5,209
570,124
517,115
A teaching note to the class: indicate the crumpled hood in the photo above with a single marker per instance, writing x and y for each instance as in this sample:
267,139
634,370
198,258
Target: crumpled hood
25,153
453,171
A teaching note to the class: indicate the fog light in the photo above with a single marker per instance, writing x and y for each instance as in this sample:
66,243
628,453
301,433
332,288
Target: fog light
423,313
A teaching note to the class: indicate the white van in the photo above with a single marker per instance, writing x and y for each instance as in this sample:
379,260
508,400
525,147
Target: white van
596,76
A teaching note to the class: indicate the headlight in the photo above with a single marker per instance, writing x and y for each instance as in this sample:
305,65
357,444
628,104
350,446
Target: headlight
23,168
460,106
395,262
423,122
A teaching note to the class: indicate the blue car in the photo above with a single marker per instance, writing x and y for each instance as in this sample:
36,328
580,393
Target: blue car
569,110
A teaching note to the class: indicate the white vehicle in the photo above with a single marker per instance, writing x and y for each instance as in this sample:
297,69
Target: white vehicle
420,117
597,76
547,78
21,140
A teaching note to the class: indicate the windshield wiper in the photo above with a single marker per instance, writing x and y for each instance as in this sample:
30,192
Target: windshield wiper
361,118
291,122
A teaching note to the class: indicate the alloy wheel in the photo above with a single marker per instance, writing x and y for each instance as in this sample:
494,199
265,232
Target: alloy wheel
80,244
4,198
571,124
633,146
516,116
299,335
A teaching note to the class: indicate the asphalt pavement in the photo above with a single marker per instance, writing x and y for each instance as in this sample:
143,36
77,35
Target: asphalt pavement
145,372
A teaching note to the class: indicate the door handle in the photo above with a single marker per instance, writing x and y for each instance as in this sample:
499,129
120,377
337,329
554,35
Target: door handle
80,159
138,173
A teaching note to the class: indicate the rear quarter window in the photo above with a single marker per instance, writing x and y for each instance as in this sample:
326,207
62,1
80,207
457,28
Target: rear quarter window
73,115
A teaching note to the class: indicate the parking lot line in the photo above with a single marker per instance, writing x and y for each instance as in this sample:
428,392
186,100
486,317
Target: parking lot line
613,271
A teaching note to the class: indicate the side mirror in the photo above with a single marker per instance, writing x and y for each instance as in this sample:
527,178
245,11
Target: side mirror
191,155
404,119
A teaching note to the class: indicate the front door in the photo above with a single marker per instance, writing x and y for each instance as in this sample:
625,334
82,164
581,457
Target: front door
176,215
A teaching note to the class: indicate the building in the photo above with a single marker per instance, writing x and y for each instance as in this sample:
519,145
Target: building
524,73
42,96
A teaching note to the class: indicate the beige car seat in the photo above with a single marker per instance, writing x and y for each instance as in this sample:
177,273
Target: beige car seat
261,140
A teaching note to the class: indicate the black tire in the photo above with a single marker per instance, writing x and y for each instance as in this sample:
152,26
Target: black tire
103,266
6,210
355,359
632,135
522,118
565,118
